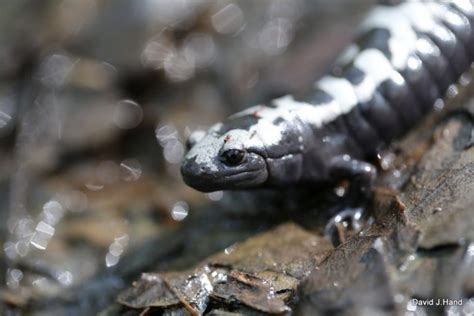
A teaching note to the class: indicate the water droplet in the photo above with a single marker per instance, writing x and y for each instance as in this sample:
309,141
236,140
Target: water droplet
437,210
454,311
468,308
127,114
413,63
219,276
122,240
387,160
378,245
43,234
340,191
150,277
66,278
24,227
166,133
7,111
10,250
399,298
180,211
4,119
74,201
470,250
411,305
116,249
131,169
231,249
111,260
42,284
439,105
94,186
157,51
178,67
52,212
452,91
200,48
215,196
465,79
407,262
14,276
229,19
173,152
22,248
206,283
55,70
275,36
168,137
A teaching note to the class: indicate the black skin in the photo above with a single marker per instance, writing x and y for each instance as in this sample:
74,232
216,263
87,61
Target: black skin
361,173
342,148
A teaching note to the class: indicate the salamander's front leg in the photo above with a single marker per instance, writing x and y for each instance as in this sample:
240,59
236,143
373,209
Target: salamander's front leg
361,175
349,219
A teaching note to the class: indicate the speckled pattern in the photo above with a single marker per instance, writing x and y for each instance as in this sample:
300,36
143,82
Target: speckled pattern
401,64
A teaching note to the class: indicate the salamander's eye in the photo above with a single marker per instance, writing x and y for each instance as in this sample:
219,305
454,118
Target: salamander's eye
233,157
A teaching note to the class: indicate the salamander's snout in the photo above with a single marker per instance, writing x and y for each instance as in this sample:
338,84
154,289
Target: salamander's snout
191,169
201,164
198,176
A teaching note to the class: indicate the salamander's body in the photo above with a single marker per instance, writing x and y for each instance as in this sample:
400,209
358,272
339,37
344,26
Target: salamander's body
403,62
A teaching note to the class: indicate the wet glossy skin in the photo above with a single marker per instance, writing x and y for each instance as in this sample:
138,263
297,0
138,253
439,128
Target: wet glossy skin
403,62
225,163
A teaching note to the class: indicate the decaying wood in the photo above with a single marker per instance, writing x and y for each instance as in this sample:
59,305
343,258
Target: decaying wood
260,274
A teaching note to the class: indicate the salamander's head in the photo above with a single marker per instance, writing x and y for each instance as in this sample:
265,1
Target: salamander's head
225,158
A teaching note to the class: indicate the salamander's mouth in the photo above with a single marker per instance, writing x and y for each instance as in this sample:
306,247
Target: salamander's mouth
243,180
221,177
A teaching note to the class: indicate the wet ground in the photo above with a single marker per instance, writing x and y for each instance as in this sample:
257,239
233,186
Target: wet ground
96,100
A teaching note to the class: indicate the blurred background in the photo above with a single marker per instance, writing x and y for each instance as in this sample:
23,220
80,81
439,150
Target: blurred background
96,100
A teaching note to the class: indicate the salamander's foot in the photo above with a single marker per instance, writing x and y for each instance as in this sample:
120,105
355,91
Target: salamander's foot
361,175
467,113
344,224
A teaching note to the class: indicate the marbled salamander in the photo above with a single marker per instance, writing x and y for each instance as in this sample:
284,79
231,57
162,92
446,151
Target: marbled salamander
403,62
